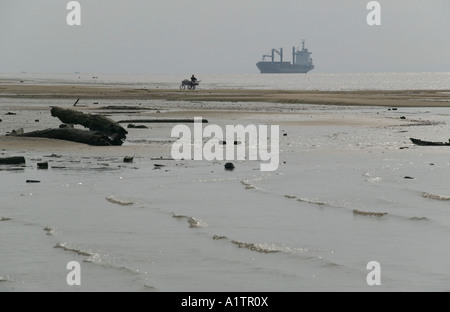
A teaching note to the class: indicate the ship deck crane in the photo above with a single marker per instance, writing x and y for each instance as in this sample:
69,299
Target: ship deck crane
272,56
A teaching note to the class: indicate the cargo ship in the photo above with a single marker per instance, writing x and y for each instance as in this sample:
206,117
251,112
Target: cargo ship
301,62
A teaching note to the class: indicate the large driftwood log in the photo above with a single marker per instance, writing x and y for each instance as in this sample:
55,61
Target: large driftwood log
109,127
429,143
75,135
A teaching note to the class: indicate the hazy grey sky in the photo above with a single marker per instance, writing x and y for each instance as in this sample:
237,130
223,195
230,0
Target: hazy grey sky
218,36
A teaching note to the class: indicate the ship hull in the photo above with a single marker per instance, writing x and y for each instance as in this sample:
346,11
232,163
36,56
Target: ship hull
282,68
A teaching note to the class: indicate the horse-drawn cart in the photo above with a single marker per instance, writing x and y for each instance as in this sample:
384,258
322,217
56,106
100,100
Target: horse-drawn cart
186,83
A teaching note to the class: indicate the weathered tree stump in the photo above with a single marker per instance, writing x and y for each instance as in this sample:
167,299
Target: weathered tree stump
100,123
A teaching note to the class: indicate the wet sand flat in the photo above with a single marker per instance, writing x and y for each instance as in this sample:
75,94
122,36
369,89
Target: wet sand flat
350,187
401,98
303,118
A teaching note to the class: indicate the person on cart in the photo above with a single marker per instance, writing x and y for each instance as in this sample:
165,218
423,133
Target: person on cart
193,80
190,84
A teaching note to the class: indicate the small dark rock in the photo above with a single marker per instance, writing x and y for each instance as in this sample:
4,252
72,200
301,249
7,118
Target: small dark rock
53,156
225,142
43,165
408,177
229,166
19,160
17,132
33,181
10,114
36,120
128,159
133,126
403,117
284,134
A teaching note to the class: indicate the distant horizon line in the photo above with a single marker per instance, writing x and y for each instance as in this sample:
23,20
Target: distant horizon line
218,73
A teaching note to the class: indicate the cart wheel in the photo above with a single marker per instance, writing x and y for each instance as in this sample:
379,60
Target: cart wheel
182,87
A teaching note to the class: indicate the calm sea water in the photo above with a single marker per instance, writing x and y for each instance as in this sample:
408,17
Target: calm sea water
310,81
343,196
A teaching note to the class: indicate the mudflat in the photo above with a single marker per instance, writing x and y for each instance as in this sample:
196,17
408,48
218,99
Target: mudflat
400,98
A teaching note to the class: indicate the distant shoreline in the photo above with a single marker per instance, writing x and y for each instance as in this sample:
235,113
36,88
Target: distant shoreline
390,98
